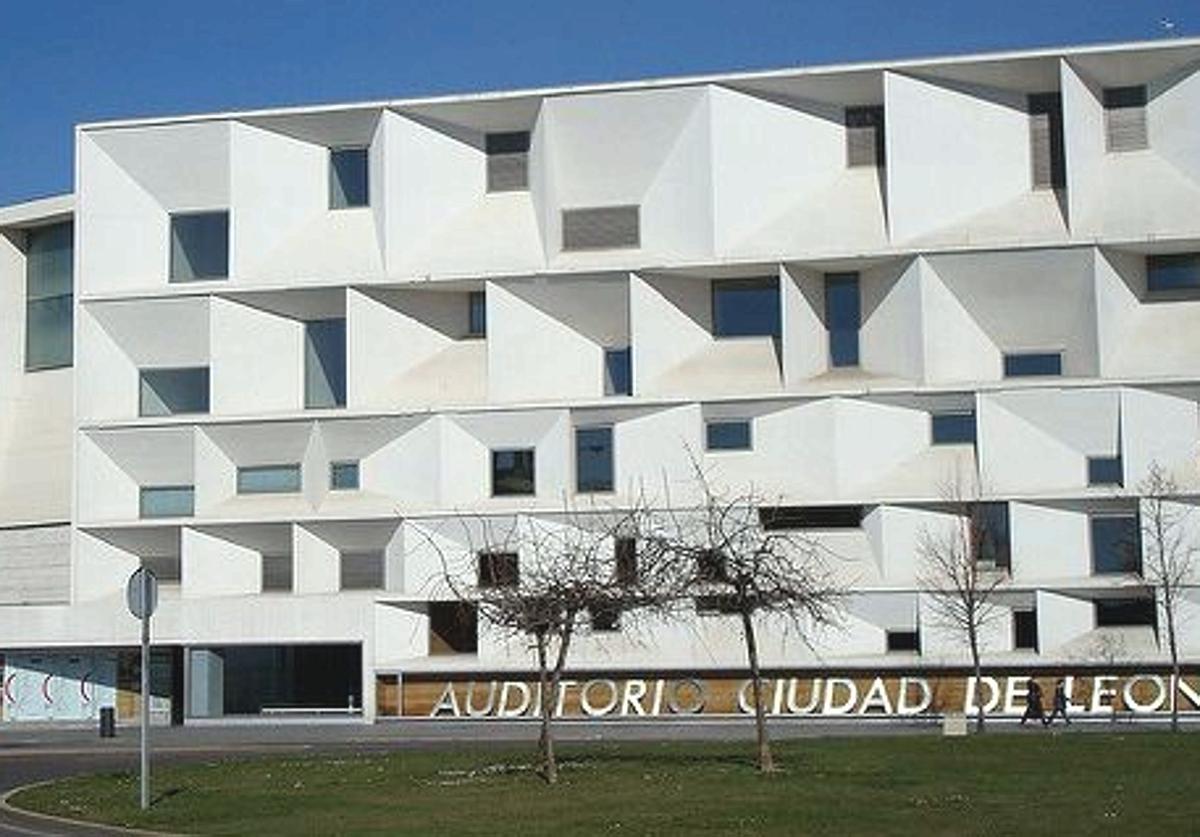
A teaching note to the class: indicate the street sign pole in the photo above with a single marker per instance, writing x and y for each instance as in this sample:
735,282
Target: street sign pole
145,691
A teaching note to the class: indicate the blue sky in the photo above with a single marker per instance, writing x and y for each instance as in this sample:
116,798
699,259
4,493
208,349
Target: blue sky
69,61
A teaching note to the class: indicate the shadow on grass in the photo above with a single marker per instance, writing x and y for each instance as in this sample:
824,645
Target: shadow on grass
165,795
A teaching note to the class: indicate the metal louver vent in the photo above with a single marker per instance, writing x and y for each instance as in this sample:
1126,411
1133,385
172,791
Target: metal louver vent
601,228
1047,162
864,136
1125,118
362,571
508,162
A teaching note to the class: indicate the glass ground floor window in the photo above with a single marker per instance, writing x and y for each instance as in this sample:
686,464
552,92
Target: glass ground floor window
273,679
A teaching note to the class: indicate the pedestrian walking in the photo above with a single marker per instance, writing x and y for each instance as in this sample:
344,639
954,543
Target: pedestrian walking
1033,703
1059,704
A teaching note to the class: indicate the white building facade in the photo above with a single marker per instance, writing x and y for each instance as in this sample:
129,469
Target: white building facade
308,341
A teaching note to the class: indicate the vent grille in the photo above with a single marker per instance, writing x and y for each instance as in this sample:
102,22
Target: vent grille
601,228
277,573
1125,118
508,162
1048,169
362,571
864,136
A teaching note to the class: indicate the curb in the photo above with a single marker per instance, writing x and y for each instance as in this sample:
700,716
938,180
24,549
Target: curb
10,814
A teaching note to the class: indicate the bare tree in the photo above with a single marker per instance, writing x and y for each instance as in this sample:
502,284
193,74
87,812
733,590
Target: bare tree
1170,553
735,558
546,578
963,564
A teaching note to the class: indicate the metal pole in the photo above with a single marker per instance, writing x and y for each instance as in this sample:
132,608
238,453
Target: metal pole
145,691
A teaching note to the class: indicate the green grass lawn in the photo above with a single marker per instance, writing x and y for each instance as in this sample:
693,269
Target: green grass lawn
1145,783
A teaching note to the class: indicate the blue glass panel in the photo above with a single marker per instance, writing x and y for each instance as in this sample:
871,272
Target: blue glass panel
167,501
477,314
843,316
1032,364
343,476
746,307
199,246
269,479
727,435
618,372
1116,545
49,296
512,472
348,178
593,459
1105,470
325,363
1173,272
953,428
166,392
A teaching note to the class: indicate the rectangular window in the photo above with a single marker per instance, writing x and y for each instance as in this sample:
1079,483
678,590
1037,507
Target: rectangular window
1105,470
167,501
903,642
343,476
1046,141
843,317
325,363
864,136
277,573
199,246
498,569
1173,272
1120,613
507,161
774,518
1032,364
1116,544
348,184
1025,630
618,371
1125,118
746,307
711,567
727,435
625,558
269,479
362,571
477,314
990,533
593,459
605,619
169,392
601,228
453,628
512,472
954,428
49,297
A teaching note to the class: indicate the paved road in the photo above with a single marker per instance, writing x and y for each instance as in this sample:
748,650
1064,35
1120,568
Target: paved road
31,754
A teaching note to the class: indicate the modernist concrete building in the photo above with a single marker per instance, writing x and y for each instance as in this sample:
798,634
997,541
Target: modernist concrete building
307,340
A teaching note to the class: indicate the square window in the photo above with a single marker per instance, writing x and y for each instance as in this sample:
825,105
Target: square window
605,619
903,641
269,479
955,428
593,459
362,571
618,372
512,472
169,392
1025,630
1173,272
711,567
1032,364
343,476
727,435
199,246
1116,544
167,501
498,569
476,314
1105,470
843,318
277,573
348,178
453,628
746,307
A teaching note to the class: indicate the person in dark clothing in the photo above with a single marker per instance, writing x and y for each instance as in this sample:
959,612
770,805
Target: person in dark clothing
1033,703
1059,704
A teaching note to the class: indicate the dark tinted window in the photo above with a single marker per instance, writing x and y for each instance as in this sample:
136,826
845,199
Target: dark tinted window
864,136
953,428
625,556
1025,633
268,479
593,459
476,314
199,246
727,435
711,567
903,641
810,517
508,161
1125,612
325,363
1116,544
1046,140
362,571
746,307
605,618
1105,470
49,297
453,628
618,372
168,392
348,178
843,316
343,476
512,472
498,569
991,533
1032,364
1173,272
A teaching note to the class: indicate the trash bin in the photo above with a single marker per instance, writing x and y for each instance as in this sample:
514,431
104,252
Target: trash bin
108,722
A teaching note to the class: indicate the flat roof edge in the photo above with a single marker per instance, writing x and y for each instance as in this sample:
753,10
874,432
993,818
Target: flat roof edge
38,211
659,82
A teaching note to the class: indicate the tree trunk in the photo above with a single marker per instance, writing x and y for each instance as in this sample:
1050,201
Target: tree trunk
766,764
1175,669
546,739
978,682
